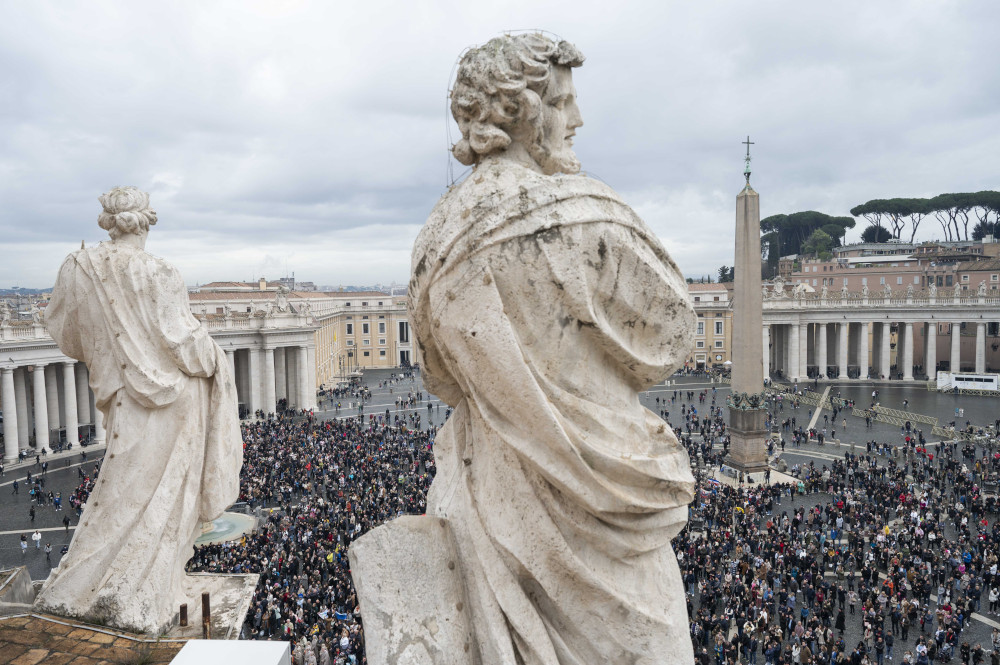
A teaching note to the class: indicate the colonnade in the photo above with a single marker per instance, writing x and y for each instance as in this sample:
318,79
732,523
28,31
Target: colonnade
264,376
44,403
803,349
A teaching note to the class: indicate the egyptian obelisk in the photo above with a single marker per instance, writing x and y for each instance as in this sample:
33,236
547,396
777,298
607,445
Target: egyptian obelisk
747,404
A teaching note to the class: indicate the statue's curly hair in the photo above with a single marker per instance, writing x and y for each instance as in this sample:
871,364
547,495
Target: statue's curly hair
126,210
499,85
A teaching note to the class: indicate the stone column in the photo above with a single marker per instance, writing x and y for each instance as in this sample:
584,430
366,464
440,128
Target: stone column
930,352
69,403
280,374
231,357
311,376
82,394
21,397
99,436
766,348
821,357
980,347
302,362
269,398
842,346
863,353
803,351
885,355
793,353
256,360
52,396
41,409
956,347
9,404
908,353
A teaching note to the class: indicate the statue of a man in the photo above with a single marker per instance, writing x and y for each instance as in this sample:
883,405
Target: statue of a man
982,287
541,305
169,405
933,290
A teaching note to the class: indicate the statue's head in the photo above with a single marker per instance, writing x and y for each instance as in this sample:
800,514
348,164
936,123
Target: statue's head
126,212
518,89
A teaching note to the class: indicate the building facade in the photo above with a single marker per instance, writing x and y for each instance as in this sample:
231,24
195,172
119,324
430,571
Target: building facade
714,327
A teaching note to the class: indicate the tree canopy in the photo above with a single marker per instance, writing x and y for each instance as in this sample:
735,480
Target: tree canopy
785,234
875,234
953,212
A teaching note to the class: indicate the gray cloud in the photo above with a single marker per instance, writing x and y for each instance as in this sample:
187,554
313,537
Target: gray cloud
281,136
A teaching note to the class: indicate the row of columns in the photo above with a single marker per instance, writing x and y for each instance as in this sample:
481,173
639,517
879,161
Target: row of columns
792,348
265,376
33,405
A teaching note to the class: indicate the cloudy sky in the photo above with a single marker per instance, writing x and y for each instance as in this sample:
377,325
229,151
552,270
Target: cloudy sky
312,137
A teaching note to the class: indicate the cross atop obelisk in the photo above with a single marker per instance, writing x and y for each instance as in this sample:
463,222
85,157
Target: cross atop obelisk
746,169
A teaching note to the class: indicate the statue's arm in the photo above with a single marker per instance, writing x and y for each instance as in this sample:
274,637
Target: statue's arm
187,342
61,319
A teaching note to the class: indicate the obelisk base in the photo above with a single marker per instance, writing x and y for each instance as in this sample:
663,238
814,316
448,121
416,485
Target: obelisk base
748,440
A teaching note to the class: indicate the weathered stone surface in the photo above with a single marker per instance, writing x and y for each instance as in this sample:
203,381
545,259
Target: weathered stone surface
411,557
168,400
541,305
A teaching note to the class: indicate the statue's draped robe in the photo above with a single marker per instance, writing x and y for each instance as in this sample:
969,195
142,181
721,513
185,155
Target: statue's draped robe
541,306
174,448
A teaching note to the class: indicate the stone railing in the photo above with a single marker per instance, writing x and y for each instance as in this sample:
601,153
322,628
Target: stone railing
19,331
877,299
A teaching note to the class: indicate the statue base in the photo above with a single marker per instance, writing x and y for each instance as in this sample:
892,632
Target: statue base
748,440
412,557
230,597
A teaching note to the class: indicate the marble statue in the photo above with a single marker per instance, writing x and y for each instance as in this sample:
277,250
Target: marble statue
825,292
909,291
5,314
541,304
933,290
982,288
779,288
763,291
886,291
169,404
843,292
864,290
958,290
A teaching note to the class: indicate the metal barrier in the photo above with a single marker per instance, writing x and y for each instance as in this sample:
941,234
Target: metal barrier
907,415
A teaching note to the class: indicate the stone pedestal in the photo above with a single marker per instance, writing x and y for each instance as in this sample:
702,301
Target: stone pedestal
748,447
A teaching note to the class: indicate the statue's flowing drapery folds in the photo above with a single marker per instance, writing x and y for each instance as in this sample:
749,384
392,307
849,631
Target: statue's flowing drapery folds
542,305
174,448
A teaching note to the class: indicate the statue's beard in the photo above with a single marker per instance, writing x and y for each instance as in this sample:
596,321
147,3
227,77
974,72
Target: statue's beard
562,161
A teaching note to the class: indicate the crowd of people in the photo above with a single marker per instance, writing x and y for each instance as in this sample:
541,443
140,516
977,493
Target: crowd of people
883,554
321,484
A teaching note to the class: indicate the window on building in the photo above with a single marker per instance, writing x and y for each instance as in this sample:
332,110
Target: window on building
701,327
948,280
864,281
697,298
814,282
916,279
965,278
700,344
381,353
367,342
367,353
350,328
899,280
718,343
381,341
364,328
379,303
350,342
993,278
718,327
364,303
404,332
845,281
881,280
381,327
716,299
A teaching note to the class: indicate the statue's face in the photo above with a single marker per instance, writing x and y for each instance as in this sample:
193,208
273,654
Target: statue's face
560,118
